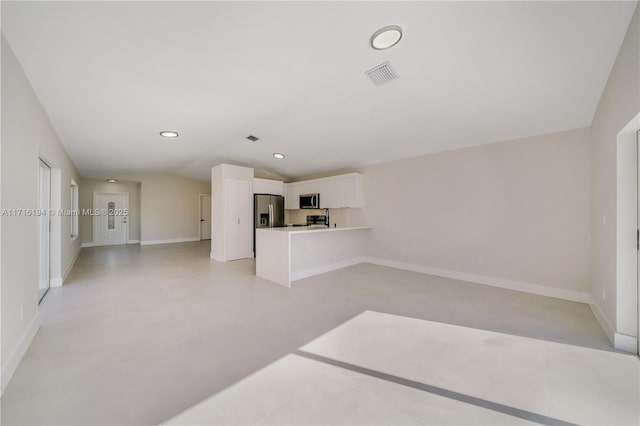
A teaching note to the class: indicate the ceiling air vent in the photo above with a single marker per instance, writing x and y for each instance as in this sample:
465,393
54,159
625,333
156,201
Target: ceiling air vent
382,74
252,138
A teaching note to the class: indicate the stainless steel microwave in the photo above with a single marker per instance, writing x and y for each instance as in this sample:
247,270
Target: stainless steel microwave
310,201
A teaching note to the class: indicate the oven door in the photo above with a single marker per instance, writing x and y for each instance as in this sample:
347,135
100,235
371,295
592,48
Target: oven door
310,201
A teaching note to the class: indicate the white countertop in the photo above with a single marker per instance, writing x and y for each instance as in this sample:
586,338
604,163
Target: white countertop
310,229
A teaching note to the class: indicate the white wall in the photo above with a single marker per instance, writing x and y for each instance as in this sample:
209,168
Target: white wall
517,211
618,105
88,186
169,207
265,174
27,134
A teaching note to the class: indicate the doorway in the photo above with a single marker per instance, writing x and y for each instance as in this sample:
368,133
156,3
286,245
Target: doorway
44,229
110,218
638,242
205,217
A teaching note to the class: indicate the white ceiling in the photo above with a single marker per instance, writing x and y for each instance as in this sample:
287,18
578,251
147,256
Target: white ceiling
111,75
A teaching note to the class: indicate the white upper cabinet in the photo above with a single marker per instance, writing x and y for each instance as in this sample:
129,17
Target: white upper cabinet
267,186
292,197
335,191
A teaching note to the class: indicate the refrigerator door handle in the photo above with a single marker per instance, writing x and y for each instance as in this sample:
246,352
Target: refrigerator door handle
270,215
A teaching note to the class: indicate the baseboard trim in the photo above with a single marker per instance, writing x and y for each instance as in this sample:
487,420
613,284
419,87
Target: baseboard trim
59,281
619,341
216,257
603,321
55,282
70,267
97,245
325,268
18,352
169,241
625,343
558,293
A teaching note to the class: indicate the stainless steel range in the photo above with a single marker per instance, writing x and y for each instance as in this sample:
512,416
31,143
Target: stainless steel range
318,220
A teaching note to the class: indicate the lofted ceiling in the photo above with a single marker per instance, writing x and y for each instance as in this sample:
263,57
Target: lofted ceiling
112,75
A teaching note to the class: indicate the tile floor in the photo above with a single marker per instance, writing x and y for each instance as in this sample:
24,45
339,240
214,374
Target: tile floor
387,369
139,334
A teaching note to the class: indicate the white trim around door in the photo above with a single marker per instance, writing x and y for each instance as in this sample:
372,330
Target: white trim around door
44,229
204,216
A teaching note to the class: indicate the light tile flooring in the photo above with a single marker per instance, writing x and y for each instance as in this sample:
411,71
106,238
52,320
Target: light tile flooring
387,369
139,334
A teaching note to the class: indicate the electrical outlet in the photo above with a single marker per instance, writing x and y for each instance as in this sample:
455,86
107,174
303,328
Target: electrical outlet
21,312
604,294
604,220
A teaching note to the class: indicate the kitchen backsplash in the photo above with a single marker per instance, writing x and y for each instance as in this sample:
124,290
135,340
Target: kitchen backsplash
341,217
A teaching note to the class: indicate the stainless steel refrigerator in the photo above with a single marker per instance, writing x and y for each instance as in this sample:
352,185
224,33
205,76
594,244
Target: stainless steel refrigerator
268,212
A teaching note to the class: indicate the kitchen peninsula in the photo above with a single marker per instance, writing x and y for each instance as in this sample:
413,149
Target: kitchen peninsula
288,254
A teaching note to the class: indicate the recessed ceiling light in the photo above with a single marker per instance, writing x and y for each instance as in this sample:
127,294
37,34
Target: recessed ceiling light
386,37
112,180
169,134
278,155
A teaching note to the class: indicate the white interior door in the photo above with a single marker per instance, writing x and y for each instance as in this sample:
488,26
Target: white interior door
44,204
239,224
245,224
232,219
205,217
111,217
